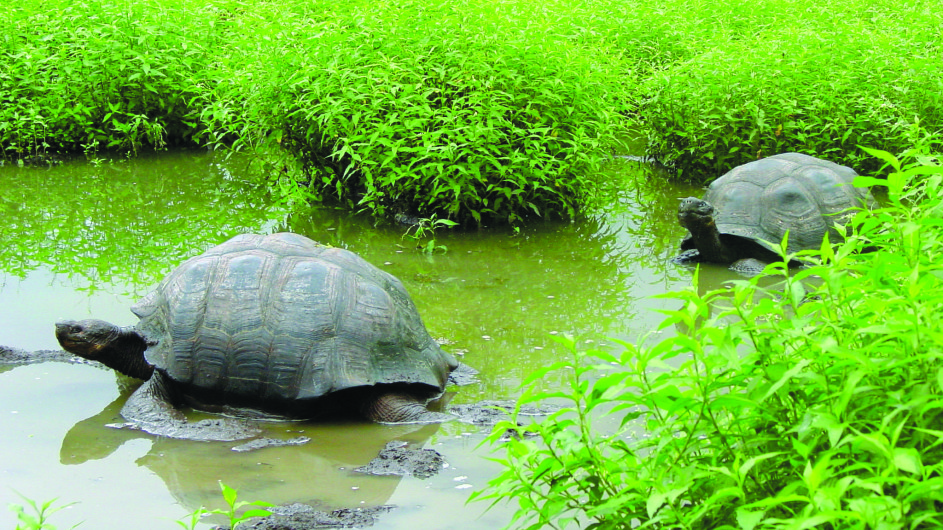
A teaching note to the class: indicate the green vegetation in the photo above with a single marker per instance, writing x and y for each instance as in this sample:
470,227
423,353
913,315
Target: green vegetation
454,109
451,108
85,76
476,111
426,228
815,403
232,512
38,519
790,76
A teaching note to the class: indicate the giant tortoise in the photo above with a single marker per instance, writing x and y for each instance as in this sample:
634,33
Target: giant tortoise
276,324
747,212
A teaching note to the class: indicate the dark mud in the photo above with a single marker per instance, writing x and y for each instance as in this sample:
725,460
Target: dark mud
304,517
463,375
398,459
261,443
489,413
16,357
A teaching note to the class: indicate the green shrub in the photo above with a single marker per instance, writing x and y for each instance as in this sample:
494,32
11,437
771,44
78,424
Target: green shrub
822,84
817,404
454,109
84,76
476,111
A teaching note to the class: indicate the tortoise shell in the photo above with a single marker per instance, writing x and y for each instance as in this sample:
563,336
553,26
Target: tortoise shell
280,318
805,195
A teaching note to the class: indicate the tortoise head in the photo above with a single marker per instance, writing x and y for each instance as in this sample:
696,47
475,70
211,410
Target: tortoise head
97,340
86,338
696,215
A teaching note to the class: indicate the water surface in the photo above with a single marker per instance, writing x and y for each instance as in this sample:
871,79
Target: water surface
86,240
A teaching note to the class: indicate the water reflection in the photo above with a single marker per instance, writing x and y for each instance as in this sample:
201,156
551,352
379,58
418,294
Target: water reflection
125,221
320,472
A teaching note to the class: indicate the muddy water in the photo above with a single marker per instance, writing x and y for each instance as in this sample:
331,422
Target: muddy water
87,239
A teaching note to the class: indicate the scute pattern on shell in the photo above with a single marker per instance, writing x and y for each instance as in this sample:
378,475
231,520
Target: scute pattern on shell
283,318
761,200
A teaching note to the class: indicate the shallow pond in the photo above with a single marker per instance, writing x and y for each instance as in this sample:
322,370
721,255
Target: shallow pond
87,239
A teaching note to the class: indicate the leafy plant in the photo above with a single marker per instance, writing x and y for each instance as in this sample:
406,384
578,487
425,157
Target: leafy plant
235,519
417,107
426,228
192,519
477,111
82,77
38,519
814,403
790,86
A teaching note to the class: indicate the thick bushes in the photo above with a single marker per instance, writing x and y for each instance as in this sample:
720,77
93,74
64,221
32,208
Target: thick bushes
99,75
475,110
820,80
439,109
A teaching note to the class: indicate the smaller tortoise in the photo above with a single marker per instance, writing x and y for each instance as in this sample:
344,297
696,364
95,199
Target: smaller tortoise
276,324
751,207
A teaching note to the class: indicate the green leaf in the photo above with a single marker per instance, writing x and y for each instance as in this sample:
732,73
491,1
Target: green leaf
748,519
257,512
888,158
229,494
789,374
908,459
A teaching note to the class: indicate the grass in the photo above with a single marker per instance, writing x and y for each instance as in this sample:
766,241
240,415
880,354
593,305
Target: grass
422,108
38,517
451,109
86,76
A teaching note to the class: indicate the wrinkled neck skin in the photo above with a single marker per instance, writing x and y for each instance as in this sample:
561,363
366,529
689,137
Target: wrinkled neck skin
125,353
698,217
706,238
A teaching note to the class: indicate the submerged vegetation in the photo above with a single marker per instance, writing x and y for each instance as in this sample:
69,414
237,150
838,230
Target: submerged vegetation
476,111
815,403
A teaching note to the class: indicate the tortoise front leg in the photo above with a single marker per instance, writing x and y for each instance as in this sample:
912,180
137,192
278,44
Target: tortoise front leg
151,409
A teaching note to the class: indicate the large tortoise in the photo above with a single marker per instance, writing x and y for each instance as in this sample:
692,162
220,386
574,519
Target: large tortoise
277,324
750,208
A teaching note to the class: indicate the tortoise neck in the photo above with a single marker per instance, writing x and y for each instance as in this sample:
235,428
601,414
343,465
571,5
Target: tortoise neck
126,354
710,247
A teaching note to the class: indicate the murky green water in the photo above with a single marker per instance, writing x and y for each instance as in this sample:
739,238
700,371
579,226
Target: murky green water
86,240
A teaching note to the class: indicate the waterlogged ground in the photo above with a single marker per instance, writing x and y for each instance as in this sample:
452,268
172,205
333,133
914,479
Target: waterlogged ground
87,239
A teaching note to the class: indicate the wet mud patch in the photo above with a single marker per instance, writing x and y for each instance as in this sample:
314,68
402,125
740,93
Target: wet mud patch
463,375
397,459
488,413
16,357
261,443
304,517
